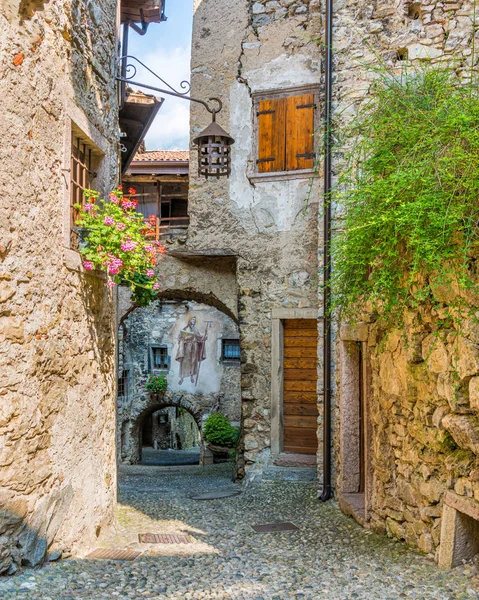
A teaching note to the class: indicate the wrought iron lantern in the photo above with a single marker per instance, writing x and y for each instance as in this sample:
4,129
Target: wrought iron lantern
214,143
214,155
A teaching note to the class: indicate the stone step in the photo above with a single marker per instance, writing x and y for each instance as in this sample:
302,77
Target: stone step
292,459
290,474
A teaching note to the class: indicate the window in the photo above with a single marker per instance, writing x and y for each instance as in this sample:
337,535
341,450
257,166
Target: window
123,385
159,359
285,126
80,179
230,350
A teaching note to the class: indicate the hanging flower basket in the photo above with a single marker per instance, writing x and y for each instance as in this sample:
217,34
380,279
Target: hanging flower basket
113,237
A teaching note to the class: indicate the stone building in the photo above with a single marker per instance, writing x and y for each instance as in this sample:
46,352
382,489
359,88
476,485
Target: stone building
404,440
60,134
152,340
407,452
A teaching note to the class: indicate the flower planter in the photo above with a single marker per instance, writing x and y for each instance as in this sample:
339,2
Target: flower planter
220,453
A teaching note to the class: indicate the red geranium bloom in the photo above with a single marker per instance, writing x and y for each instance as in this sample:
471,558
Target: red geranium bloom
131,191
120,187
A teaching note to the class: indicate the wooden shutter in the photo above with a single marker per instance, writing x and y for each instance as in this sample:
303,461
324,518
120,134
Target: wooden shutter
300,132
271,142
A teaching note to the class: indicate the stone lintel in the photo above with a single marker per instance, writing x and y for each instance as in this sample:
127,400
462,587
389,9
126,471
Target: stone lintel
468,506
354,333
295,313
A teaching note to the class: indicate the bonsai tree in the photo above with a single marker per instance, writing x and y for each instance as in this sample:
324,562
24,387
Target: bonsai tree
217,430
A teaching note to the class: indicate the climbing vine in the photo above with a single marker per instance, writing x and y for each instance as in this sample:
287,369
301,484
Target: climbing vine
410,197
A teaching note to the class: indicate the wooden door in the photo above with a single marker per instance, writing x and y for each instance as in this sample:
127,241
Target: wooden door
300,407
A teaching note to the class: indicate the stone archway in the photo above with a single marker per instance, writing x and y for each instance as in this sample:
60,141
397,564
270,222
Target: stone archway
131,429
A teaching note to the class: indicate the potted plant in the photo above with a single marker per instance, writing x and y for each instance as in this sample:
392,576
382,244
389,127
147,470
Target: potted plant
156,385
220,436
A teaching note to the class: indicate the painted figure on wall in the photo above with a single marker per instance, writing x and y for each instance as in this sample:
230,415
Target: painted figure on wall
191,351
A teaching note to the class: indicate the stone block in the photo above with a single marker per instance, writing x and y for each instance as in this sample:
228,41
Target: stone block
11,329
464,430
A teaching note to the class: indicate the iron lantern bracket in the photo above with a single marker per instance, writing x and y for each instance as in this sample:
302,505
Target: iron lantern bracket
128,73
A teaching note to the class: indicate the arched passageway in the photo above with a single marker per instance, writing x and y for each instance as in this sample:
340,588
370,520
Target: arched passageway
195,347
167,423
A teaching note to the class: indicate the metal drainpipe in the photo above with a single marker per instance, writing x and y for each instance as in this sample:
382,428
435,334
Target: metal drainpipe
326,495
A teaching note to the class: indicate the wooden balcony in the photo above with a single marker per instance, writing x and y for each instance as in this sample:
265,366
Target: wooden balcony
168,226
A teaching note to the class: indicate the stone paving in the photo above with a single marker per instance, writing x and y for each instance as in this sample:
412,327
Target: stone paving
329,557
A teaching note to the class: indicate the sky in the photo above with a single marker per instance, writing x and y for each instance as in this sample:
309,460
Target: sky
166,50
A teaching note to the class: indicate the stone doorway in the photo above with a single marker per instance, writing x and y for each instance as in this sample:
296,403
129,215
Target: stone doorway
355,473
294,386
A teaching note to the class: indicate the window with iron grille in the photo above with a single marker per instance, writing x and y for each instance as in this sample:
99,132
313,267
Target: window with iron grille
285,125
123,384
80,180
159,358
230,350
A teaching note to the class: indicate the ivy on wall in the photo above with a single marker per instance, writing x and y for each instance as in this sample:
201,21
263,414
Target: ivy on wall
410,194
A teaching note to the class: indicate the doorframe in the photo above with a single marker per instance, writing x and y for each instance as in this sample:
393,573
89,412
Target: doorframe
278,315
355,390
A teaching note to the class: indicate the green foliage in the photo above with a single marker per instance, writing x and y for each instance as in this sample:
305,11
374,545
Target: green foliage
410,193
219,431
156,384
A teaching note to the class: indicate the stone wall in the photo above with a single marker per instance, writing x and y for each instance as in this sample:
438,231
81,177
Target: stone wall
57,340
215,387
241,48
422,430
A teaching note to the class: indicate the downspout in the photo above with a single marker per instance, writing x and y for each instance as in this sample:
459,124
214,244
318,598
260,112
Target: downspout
124,51
326,495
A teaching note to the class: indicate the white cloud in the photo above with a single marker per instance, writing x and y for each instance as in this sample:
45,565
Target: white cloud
171,127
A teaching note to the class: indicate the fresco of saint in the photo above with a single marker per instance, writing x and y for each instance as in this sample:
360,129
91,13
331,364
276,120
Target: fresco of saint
191,351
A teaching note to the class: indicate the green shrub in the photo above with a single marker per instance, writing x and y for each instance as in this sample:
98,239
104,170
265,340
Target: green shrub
410,194
218,430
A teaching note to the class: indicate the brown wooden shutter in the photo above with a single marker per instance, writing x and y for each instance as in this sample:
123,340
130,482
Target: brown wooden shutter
271,142
300,132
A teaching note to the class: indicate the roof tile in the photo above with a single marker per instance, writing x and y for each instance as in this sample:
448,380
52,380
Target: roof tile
162,155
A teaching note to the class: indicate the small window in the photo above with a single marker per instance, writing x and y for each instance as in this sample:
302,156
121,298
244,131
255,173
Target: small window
123,385
230,350
159,358
285,127
80,179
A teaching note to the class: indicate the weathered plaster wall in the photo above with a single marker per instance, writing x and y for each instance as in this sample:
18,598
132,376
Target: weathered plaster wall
217,386
241,49
421,389
57,425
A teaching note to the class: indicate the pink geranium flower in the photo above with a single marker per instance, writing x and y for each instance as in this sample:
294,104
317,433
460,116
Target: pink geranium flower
121,226
113,198
156,286
150,273
109,221
88,265
110,283
128,245
89,206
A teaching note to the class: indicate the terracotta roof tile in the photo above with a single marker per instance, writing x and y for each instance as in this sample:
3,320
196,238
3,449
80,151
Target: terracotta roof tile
162,155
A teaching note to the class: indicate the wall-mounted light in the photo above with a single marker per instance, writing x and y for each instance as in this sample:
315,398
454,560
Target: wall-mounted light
214,155
214,143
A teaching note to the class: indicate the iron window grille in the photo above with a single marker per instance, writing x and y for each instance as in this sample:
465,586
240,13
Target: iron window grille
159,358
80,180
123,385
230,350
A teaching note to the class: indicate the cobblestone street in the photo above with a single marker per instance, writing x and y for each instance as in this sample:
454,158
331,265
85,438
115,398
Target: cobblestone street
328,557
